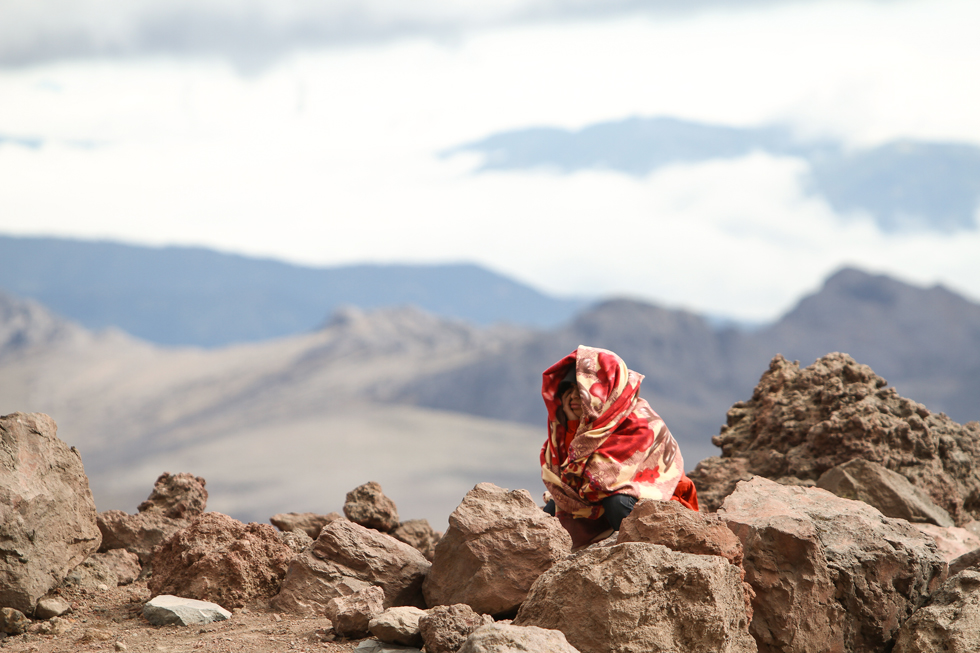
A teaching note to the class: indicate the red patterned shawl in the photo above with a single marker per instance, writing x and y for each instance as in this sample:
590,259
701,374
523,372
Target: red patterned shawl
621,447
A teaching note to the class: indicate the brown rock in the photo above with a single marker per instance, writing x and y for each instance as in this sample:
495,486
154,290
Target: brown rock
112,568
418,533
949,622
508,638
217,558
801,423
498,543
969,560
13,621
346,558
637,597
309,522
177,496
446,627
888,491
351,614
53,606
952,542
715,478
368,506
47,515
297,541
398,626
829,574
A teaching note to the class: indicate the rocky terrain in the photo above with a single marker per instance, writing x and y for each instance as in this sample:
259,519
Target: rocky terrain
843,518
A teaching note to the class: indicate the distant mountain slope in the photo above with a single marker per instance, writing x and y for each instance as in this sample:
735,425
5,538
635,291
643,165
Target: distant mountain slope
189,296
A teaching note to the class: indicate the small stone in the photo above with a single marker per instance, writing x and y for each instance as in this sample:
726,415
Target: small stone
119,646
103,587
96,635
53,626
51,607
166,609
13,621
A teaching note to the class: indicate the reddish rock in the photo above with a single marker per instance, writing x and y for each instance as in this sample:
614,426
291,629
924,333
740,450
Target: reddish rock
346,558
217,558
368,506
638,597
309,522
445,627
801,423
952,542
949,622
351,614
177,496
47,514
418,533
498,543
829,574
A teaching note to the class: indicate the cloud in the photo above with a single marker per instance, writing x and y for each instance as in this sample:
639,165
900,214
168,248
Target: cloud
251,33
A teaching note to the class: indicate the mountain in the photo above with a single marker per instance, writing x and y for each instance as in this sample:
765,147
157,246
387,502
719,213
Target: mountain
192,296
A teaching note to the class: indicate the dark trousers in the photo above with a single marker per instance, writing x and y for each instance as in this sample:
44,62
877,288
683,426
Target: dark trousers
617,507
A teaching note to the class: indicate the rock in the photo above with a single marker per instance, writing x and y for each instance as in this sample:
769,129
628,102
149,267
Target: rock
498,543
166,609
374,646
13,621
829,574
368,506
351,614
949,622
888,491
418,533
969,560
47,514
446,627
297,541
175,500
54,606
346,558
217,558
801,423
715,478
112,568
309,522
637,597
55,626
952,542
507,638
398,626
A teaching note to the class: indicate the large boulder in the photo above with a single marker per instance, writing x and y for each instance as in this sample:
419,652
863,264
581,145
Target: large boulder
217,558
508,638
800,423
368,506
498,543
638,597
347,558
47,514
888,491
310,523
829,574
175,500
949,622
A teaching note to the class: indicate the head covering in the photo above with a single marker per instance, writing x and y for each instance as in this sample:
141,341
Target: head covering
621,447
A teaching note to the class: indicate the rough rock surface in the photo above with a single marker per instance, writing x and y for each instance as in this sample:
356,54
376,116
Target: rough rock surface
220,559
368,506
352,614
637,597
420,534
47,514
54,606
498,543
969,560
398,625
800,423
297,541
175,500
829,574
13,621
346,558
165,609
949,622
115,567
446,627
952,542
508,638
715,478
888,491
309,522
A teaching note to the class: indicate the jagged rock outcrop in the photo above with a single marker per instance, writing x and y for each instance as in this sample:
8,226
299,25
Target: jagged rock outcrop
949,622
498,543
217,558
829,574
800,423
637,597
368,506
175,500
47,514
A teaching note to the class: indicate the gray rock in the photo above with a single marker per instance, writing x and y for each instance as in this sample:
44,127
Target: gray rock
51,607
888,491
166,609
949,622
398,626
47,514
507,638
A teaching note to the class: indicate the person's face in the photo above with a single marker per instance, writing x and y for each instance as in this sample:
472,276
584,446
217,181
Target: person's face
571,403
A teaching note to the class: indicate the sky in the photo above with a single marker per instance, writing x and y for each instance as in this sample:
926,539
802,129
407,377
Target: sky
330,133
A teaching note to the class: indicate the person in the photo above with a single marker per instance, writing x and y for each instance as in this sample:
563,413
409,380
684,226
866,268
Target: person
606,447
